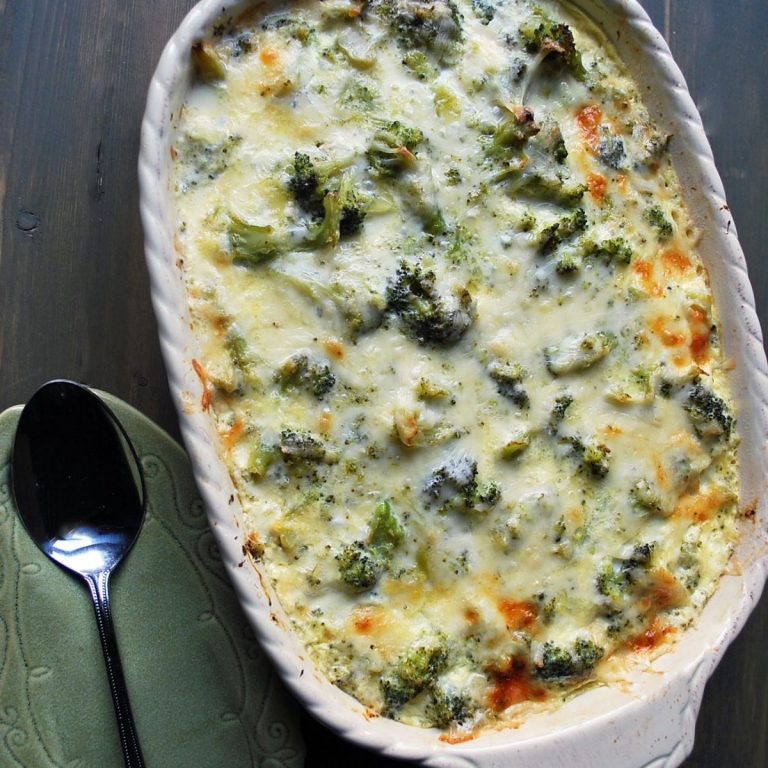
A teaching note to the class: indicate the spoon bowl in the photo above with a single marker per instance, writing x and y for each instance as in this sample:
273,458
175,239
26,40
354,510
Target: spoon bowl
80,493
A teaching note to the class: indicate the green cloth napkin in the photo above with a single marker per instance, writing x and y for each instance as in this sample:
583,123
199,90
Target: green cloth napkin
203,693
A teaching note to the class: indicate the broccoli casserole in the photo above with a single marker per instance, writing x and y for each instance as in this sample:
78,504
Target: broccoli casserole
459,345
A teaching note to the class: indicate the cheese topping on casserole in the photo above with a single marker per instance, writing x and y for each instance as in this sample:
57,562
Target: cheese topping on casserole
459,344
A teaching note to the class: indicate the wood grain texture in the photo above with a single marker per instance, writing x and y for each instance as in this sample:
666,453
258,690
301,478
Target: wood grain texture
74,295
720,49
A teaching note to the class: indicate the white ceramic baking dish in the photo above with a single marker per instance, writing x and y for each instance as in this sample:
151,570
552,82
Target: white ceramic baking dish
650,720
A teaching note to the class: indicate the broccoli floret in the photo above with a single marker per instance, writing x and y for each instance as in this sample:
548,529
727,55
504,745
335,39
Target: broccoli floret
689,563
392,147
343,214
359,566
644,497
559,150
304,183
527,222
549,141
650,144
512,133
362,563
261,458
300,371
544,186
588,653
453,177
509,382
556,663
310,181
557,414
422,202
254,244
449,707
386,531
413,672
555,45
554,189
610,150
533,157
453,486
362,306
456,479
617,578
487,496
353,211
484,10
612,583
567,263
554,235
578,352
708,412
298,446
560,664
205,159
433,26
547,607
592,457
614,251
324,190
656,217
241,354
424,314
419,65
359,95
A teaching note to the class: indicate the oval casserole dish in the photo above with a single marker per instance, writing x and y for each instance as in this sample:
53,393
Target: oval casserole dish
650,721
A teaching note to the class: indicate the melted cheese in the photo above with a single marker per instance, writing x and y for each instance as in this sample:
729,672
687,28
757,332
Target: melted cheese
479,428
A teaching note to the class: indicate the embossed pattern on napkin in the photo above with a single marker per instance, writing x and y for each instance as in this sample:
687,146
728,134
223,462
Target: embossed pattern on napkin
202,692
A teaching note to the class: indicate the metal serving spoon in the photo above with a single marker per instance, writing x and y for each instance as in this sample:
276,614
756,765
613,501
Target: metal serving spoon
80,494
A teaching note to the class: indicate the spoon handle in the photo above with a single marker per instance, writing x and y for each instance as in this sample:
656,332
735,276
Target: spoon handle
98,586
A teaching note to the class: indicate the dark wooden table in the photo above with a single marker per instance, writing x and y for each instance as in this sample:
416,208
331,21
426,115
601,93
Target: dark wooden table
74,293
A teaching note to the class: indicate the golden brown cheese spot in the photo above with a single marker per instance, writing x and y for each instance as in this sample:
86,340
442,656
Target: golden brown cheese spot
663,328
334,348
675,263
598,185
232,436
366,620
518,615
662,478
513,684
645,273
663,591
471,615
700,326
456,737
704,505
588,119
269,56
325,422
651,638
